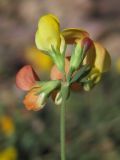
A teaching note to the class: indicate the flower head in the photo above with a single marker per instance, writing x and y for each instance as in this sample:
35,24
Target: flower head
83,69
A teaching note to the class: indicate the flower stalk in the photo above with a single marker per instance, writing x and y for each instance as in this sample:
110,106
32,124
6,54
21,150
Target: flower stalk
62,131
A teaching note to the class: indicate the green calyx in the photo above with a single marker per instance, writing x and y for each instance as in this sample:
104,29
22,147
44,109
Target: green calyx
48,86
59,58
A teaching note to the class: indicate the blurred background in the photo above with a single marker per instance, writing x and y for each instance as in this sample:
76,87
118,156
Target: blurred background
93,123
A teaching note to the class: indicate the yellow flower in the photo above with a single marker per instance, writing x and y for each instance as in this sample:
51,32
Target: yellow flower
48,33
96,55
7,125
8,154
117,65
38,59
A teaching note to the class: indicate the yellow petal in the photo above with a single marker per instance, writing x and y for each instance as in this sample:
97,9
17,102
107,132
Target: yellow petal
62,44
94,77
48,33
102,60
72,34
117,65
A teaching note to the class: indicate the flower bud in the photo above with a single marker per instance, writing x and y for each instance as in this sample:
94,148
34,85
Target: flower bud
80,52
86,44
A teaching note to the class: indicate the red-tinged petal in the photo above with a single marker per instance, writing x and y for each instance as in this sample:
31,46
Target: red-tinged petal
26,78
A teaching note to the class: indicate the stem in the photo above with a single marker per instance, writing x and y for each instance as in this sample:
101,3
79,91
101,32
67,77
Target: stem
62,130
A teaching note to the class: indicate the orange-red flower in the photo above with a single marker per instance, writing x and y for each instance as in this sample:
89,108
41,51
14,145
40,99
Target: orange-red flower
38,92
35,102
26,78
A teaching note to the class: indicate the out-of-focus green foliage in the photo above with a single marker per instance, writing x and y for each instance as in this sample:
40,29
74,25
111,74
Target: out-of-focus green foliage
92,118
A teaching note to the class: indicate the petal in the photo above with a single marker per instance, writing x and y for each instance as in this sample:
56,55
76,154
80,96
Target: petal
35,102
102,60
26,78
72,34
62,44
93,78
48,33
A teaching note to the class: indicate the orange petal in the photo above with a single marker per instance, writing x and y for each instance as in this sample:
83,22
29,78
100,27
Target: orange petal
56,74
32,101
26,78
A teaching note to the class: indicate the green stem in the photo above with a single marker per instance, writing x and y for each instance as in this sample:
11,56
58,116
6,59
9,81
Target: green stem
62,130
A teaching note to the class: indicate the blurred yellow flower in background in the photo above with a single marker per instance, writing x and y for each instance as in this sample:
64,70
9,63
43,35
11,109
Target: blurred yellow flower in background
117,65
6,125
38,59
9,153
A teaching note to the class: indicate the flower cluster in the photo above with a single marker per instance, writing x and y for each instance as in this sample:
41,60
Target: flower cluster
84,68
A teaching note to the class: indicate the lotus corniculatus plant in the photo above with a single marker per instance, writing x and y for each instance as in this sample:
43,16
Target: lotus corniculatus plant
82,70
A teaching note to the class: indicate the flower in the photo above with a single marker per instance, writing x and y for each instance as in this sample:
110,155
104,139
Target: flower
38,92
117,65
96,56
9,153
35,102
7,126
